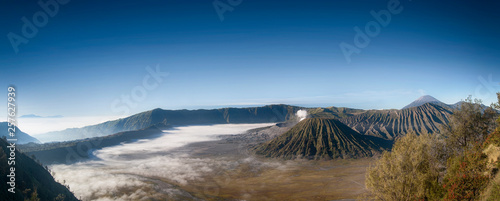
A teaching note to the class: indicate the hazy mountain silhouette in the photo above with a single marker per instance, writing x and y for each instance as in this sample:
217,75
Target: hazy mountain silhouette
22,137
423,100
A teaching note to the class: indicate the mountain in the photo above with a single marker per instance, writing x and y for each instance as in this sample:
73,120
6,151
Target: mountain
32,179
318,138
160,117
423,100
333,112
37,116
22,138
389,124
78,150
30,116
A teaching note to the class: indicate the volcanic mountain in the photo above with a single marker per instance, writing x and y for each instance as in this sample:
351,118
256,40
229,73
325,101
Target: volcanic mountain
388,124
423,100
322,138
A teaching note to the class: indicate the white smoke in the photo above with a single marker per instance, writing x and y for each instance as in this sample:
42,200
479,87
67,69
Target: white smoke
302,114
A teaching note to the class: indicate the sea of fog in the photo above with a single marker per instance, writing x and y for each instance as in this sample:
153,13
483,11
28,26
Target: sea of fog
129,170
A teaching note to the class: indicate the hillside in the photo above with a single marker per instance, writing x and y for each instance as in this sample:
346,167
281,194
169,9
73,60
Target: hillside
22,138
29,176
333,112
318,138
265,114
78,150
388,124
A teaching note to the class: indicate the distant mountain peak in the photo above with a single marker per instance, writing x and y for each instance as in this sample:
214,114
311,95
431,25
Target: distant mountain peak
423,100
38,116
427,98
30,116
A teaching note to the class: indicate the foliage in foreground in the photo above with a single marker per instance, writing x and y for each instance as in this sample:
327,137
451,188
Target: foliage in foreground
459,165
466,175
409,172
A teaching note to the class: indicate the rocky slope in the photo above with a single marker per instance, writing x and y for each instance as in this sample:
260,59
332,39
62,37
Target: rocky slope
322,138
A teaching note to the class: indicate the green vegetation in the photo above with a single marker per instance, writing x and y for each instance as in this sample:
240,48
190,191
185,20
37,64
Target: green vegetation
409,172
459,164
469,126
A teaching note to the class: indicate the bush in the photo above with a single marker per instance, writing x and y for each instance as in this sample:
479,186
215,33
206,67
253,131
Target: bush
466,175
409,172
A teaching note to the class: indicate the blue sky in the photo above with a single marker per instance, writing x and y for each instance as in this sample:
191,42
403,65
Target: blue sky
91,53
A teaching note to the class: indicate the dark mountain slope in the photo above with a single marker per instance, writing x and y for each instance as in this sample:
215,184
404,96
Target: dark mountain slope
29,175
22,138
270,113
392,123
317,138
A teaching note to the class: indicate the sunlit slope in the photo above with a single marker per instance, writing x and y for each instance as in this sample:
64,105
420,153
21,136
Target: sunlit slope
389,124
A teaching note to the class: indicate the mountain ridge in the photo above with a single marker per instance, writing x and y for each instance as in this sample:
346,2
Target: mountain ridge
158,117
22,137
388,124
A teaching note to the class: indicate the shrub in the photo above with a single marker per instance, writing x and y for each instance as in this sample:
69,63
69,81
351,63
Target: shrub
466,175
409,172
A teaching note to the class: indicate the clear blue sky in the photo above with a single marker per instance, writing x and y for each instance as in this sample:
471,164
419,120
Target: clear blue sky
92,52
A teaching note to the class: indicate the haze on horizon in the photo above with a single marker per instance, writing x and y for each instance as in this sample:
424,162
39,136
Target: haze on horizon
92,54
36,126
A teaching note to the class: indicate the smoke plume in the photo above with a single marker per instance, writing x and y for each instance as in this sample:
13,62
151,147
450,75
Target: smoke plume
302,114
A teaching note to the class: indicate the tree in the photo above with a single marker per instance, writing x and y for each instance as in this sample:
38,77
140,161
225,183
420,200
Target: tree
410,171
34,196
466,175
61,197
470,124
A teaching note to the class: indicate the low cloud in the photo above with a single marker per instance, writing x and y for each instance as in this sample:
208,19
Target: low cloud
135,171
